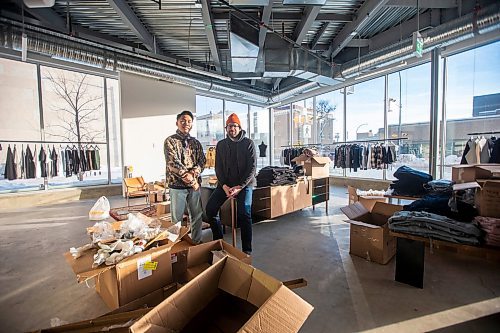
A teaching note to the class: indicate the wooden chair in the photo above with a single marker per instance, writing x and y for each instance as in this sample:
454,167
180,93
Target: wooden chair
135,187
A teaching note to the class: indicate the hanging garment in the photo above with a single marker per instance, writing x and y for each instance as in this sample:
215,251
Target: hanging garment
37,167
17,162
42,158
30,164
62,161
471,157
210,158
54,158
10,167
495,152
23,164
69,162
83,161
76,161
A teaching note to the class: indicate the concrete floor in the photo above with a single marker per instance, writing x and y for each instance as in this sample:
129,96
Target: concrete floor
349,293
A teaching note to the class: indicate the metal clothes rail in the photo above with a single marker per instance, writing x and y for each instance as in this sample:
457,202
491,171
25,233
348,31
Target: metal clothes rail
480,133
61,142
345,142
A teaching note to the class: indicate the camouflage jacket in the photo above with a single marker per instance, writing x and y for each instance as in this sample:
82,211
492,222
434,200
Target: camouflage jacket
183,153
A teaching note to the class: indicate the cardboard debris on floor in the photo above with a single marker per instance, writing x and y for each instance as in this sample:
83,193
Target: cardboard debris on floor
369,235
264,303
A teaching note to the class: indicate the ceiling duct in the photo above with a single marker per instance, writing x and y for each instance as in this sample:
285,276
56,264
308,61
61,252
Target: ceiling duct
248,2
244,44
67,48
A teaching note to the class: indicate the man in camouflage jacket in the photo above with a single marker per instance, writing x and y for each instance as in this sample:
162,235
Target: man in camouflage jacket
184,163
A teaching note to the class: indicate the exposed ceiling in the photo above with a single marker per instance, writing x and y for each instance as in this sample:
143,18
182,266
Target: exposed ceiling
267,45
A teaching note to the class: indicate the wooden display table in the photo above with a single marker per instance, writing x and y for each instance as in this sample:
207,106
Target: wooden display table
410,255
272,201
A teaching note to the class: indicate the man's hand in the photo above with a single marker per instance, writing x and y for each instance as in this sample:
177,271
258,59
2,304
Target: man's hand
187,177
233,191
226,190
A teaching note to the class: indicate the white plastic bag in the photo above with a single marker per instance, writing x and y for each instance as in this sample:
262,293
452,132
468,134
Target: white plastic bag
100,210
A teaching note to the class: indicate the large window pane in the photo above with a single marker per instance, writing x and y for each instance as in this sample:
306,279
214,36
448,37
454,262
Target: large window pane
302,122
330,123
209,121
241,110
19,118
113,100
365,118
408,116
472,99
73,112
259,129
281,129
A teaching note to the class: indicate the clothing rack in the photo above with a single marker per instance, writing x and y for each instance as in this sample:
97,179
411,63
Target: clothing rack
480,133
344,142
61,142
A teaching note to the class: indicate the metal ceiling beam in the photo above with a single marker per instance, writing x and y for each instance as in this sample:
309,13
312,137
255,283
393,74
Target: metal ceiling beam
320,33
284,16
424,3
132,21
266,16
359,43
210,31
308,18
369,9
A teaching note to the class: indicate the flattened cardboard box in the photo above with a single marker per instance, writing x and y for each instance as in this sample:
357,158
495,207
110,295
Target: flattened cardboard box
122,283
278,309
369,235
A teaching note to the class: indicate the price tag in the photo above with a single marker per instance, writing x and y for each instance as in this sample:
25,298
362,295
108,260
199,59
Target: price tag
142,272
151,265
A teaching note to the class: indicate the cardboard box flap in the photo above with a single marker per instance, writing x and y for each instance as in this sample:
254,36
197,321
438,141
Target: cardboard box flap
263,286
236,278
270,317
386,209
82,266
300,159
354,211
494,169
321,160
465,186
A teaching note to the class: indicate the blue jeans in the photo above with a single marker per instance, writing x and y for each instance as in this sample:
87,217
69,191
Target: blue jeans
178,200
244,214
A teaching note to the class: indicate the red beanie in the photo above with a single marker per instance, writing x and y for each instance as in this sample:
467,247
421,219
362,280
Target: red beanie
233,119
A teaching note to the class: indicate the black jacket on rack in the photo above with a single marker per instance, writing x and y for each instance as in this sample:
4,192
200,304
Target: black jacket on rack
29,164
10,167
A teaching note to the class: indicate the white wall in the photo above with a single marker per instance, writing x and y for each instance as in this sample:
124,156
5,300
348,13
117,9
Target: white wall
149,108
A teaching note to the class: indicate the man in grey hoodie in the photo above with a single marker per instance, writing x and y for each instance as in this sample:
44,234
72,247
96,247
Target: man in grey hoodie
235,165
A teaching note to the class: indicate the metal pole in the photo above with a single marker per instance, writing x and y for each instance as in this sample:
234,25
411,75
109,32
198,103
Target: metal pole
108,150
433,138
443,120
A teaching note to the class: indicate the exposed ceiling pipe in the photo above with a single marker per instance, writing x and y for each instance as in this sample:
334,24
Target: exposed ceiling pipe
63,47
488,19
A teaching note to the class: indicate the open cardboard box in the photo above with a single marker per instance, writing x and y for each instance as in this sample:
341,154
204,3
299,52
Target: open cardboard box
471,172
127,280
369,236
316,166
251,301
487,196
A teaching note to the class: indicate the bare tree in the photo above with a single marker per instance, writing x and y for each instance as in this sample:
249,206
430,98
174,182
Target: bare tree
77,109
323,110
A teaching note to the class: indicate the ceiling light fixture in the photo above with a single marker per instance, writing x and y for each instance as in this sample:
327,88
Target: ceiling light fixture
380,71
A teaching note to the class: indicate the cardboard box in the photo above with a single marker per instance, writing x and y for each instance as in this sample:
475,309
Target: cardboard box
366,200
163,208
189,261
369,236
259,303
470,173
487,196
126,281
316,167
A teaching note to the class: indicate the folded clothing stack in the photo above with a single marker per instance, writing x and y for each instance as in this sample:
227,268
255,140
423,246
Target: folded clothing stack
272,176
491,228
435,226
410,181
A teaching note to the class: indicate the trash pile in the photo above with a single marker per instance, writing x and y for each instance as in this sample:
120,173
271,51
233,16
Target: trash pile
116,241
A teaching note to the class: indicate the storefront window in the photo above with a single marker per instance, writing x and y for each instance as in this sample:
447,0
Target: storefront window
209,121
302,122
74,113
472,100
365,120
408,116
259,129
330,124
113,100
281,131
19,120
